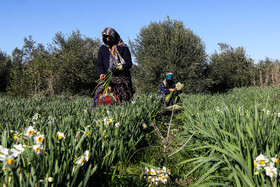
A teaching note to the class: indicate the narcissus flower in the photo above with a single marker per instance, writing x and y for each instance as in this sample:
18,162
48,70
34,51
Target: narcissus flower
16,137
261,161
87,155
35,118
37,148
29,131
81,160
86,133
38,139
270,170
60,135
145,126
17,150
9,161
50,179
117,125
152,172
4,152
110,120
146,170
107,120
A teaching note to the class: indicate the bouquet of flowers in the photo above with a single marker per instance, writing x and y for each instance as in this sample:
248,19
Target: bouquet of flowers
178,88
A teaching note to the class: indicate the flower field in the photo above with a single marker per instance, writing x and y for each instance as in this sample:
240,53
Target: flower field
229,139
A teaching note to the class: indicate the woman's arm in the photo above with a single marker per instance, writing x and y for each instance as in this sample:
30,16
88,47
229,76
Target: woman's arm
100,64
125,53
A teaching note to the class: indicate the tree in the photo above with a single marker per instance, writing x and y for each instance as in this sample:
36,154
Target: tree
19,84
168,47
230,68
5,70
66,66
267,72
75,57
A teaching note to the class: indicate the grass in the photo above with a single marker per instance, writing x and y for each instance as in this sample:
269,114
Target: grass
229,131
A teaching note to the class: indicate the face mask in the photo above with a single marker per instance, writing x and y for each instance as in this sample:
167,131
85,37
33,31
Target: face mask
110,43
169,82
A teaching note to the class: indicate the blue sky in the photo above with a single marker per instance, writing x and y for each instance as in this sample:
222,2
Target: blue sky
252,24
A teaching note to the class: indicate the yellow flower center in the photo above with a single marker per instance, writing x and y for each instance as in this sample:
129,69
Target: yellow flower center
37,149
160,172
166,177
255,164
149,179
30,132
262,161
276,160
40,139
89,156
135,171
151,172
15,137
87,133
11,161
163,178
59,137
82,160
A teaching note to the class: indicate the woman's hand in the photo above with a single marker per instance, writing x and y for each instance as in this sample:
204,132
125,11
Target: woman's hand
102,76
172,90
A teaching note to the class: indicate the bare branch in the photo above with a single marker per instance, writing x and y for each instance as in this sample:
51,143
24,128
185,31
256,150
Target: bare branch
183,144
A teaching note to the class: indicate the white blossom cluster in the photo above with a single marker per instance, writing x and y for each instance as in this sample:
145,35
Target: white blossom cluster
156,176
262,163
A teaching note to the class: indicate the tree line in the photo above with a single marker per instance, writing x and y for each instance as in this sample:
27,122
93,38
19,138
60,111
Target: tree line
68,64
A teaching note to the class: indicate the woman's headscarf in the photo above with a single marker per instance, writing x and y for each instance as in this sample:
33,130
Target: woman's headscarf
115,38
169,76
169,83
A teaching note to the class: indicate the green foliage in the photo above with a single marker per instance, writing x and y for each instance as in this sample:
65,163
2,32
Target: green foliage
233,129
66,66
5,69
20,83
169,47
111,147
75,57
230,69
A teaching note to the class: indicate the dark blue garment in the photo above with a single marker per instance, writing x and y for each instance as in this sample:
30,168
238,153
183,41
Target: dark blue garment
164,87
102,66
164,91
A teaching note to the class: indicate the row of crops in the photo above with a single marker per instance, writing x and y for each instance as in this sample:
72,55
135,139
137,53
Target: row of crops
229,139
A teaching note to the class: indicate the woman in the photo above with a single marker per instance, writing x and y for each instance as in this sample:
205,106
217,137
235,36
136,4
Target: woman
114,56
167,86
